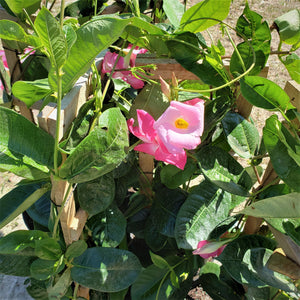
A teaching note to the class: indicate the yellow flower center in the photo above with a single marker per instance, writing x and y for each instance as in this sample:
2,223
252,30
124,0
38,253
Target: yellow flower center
181,123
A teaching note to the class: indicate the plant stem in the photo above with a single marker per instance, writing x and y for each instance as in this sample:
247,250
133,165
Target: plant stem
30,21
60,211
62,11
75,291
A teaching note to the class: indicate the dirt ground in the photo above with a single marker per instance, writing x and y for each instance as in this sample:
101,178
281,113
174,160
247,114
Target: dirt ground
11,287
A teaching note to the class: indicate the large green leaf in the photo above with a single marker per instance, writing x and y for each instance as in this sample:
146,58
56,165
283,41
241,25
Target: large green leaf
224,171
17,6
284,152
92,38
31,91
52,37
43,269
23,138
95,196
292,64
245,260
18,200
242,135
161,222
10,30
264,93
48,249
106,269
156,283
108,227
174,11
101,151
196,18
285,206
205,207
152,100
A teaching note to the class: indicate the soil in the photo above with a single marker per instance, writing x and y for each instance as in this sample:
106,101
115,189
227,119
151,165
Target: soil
11,287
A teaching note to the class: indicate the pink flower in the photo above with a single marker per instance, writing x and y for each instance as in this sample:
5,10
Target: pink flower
208,249
109,61
152,144
3,57
181,125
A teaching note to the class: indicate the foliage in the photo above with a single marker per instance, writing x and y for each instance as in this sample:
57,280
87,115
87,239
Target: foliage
147,228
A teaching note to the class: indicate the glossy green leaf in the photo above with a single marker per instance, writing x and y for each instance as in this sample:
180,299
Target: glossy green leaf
242,136
108,228
76,249
210,267
161,222
289,26
95,196
16,6
285,206
48,249
263,93
106,269
174,11
42,269
17,241
196,18
159,261
92,38
23,138
18,200
101,151
150,99
205,207
173,177
155,283
284,152
224,171
292,64
10,30
60,288
31,91
52,37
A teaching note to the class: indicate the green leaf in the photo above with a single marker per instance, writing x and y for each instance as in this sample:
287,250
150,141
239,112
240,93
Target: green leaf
106,269
159,261
100,152
52,37
10,30
16,6
18,200
150,99
285,206
161,222
174,11
173,177
205,207
224,171
289,27
22,137
16,241
92,38
95,196
292,232
31,91
48,249
42,269
60,288
212,268
242,136
108,227
292,64
264,93
283,151
196,18
76,249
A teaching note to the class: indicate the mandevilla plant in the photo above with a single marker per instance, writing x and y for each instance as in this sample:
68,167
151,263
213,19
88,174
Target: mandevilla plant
154,188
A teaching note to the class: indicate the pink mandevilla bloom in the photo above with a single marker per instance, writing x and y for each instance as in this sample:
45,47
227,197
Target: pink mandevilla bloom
109,61
181,125
208,254
3,57
152,145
